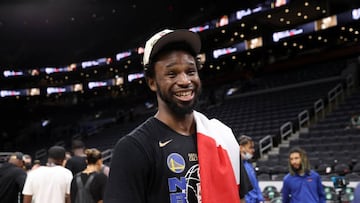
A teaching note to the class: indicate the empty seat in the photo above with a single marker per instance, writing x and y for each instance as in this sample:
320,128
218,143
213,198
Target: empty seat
341,169
279,169
356,168
264,177
353,176
324,169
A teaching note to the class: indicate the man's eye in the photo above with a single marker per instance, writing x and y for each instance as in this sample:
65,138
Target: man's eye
171,74
192,72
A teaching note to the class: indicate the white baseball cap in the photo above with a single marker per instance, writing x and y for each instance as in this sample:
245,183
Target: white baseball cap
165,37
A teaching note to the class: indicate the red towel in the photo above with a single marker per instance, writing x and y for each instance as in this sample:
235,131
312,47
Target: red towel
219,161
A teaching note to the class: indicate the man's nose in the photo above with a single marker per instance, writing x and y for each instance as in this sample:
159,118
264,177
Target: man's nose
184,79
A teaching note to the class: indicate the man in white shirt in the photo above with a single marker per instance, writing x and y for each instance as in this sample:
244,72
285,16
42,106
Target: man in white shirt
49,183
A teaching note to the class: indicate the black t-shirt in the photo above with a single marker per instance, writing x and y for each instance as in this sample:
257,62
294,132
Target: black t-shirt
97,187
76,164
154,164
12,180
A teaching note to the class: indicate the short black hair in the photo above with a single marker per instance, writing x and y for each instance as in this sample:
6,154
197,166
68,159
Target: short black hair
77,144
176,46
56,153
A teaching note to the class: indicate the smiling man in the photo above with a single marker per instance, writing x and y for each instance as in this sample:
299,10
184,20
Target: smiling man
178,155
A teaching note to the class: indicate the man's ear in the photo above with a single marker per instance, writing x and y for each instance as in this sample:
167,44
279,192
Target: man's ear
151,83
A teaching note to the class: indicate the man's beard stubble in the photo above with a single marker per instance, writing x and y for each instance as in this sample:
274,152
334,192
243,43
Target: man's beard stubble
174,107
297,170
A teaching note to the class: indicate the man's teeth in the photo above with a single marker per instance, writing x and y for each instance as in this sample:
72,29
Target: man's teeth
182,94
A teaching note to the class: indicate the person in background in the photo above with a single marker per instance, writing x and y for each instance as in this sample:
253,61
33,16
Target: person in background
178,155
97,186
356,194
105,169
301,184
67,157
37,164
49,183
27,162
77,162
247,152
12,179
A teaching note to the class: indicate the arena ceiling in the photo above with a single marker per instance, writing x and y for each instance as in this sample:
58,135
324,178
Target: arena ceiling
52,32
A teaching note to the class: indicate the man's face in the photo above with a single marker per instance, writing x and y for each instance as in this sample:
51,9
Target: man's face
176,82
295,161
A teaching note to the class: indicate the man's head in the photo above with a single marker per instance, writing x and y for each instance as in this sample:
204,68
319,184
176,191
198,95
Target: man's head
162,39
298,161
27,161
171,69
56,155
78,147
16,158
246,147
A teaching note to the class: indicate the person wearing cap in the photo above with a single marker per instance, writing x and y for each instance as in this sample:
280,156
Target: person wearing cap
50,183
177,155
12,179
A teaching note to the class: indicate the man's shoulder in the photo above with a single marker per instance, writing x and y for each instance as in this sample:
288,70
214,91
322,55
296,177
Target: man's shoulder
11,167
214,123
314,173
76,158
288,176
44,170
144,133
148,127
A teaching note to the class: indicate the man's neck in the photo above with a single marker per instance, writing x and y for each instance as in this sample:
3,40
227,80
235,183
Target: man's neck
184,125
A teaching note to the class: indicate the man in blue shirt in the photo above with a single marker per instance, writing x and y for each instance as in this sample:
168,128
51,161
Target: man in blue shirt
247,152
301,184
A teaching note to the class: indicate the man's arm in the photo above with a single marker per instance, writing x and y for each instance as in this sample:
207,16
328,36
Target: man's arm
20,181
242,200
128,169
285,192
321,191
27,198
67,198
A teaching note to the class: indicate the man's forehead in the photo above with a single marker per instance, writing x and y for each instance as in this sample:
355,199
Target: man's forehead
175,56
295,154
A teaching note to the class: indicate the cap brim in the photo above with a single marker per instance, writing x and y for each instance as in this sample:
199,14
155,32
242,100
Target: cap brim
181,35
